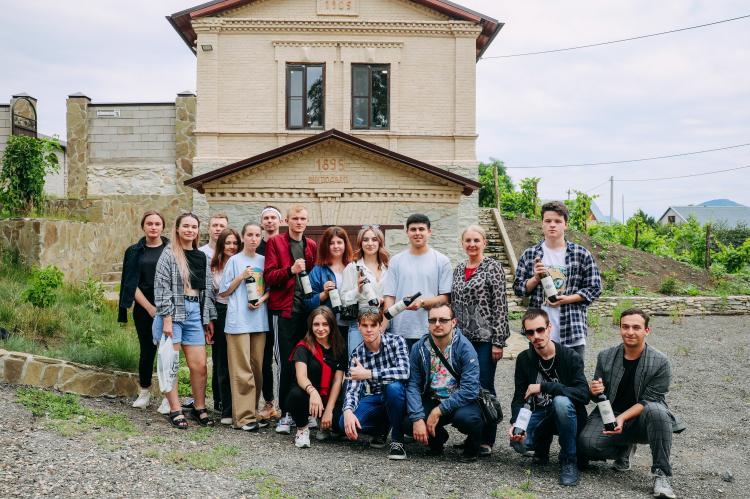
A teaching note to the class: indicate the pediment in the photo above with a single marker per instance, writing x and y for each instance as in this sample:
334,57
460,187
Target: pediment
359,10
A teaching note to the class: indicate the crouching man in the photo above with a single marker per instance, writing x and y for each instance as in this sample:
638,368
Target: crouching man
444,385
549,378
635,378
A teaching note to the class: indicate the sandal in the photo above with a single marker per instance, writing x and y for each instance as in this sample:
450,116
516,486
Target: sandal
202,417
178,420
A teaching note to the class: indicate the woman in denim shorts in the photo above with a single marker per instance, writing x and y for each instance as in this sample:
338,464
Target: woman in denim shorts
183,288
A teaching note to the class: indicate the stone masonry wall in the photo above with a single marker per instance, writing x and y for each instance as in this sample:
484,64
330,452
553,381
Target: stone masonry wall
4,125
682,305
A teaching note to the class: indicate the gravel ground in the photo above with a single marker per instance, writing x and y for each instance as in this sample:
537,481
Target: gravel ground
710,364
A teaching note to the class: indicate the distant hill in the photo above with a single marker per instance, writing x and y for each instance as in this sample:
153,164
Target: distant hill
720,202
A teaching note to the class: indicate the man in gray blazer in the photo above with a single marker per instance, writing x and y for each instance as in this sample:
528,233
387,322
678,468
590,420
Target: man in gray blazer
635,378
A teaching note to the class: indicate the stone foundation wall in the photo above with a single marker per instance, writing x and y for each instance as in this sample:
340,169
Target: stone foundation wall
4,125
70,377
684,305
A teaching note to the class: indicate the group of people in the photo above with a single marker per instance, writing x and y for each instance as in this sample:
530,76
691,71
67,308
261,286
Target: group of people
365,343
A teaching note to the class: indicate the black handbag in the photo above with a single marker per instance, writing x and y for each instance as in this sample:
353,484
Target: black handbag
492,411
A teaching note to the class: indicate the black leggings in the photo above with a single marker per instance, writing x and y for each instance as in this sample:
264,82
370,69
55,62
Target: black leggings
220,378
143,323
298,405
268,361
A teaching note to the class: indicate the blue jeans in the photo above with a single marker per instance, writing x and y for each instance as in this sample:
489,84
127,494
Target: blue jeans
376,413
487,369
353,338
558,418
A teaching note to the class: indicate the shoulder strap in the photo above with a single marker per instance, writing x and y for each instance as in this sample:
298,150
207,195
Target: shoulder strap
443,359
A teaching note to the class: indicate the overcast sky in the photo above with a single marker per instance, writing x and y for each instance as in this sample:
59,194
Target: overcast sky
663,95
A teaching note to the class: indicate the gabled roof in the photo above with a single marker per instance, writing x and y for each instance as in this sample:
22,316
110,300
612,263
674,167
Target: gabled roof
467,184
181,21
730,215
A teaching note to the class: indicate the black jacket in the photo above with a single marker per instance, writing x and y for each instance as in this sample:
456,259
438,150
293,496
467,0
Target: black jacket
573,384
130,273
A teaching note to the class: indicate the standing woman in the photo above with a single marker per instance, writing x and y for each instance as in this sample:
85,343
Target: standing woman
137,285
481,309
185,303
226,246
372,257
246,329
334,254
319,364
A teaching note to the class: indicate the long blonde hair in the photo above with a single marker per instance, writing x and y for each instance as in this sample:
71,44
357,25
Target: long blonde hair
179,253
382,255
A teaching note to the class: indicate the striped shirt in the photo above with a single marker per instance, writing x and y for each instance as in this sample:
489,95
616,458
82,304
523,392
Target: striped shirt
169,294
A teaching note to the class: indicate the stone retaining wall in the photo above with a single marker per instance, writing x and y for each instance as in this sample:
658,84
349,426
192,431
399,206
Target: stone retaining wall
684,305
70,377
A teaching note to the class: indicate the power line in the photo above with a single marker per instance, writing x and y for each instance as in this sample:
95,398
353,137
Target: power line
588,191
617,41
680,176
604,163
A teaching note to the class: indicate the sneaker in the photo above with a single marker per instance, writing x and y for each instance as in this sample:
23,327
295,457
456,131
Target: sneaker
378,442
302,438
226,421
284,426
568,473
252,427
164,407
467,458
485,451
323,435
662,487
622,463
268,412
144,397
263,423
397,451
312,423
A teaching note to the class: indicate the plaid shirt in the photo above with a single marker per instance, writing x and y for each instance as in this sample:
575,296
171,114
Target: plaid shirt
583,279
169,294
389,364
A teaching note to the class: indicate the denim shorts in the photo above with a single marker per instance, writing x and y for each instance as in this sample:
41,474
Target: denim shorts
189,332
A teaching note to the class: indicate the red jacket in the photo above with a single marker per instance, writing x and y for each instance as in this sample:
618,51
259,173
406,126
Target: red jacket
277,271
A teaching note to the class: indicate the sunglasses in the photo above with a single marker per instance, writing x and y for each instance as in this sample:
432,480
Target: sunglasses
441,320
539,330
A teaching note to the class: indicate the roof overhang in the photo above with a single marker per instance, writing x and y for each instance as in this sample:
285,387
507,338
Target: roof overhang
182,21
467,185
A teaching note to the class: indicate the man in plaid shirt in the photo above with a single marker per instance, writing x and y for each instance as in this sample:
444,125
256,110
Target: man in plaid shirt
573,271
376,395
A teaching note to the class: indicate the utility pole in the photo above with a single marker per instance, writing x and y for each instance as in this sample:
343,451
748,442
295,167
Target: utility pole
568,193
611,199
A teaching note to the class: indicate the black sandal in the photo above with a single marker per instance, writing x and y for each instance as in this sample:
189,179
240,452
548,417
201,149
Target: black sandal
178,420
198,415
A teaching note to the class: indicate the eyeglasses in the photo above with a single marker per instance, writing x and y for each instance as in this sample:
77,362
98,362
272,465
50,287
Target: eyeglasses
539,330
441,320
371,226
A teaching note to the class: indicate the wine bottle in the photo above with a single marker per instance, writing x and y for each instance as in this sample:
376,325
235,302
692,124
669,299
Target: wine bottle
304,279
550,290
252,290
606,412
335,297
522,420
368,290
400,306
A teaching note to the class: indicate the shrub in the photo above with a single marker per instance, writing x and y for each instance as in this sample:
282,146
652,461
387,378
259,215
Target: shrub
669,286
43,285
619,309
610,278
26,161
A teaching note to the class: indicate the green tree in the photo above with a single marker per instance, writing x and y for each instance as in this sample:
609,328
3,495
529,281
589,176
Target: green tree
486,179
26,161
579,209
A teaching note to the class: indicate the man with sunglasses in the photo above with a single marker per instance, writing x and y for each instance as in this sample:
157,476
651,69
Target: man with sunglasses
439,394
550,378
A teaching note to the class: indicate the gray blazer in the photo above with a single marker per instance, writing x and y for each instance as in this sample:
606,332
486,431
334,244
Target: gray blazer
652,377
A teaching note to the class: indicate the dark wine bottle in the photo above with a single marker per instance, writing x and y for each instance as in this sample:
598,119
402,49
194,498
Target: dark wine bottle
252,290
335,297
550,290
522,420
400,306
304,279
606,412
368,290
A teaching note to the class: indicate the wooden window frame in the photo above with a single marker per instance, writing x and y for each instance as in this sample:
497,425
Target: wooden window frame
370,68
287,100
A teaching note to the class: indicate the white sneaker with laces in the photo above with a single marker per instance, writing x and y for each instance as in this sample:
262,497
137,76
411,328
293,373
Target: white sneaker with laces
226,421
144,397
312,423
302,438
284,426
662,487
164,407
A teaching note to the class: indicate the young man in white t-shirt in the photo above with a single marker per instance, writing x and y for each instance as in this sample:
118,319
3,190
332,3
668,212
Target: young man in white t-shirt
417,269
216,225
573,271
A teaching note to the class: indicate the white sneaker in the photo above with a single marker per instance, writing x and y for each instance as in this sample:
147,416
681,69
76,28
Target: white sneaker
302,438
312,423
164,407
284,425
323,435
144,397
226,421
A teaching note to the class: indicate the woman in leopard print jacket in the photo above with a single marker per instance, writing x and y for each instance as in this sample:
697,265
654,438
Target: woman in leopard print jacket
481,309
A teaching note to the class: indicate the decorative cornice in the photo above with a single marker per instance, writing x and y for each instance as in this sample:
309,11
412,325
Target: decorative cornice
346,195
342,43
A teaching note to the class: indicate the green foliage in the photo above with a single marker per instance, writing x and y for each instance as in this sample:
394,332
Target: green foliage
619,309
669,286
486,179
579,209
43,285
26,161
92,293
610,278
734,258
513,202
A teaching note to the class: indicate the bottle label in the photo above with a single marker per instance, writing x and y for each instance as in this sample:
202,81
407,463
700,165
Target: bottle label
369,292
605,409
522,421
549,286
396,308
306,288
335,298
252,291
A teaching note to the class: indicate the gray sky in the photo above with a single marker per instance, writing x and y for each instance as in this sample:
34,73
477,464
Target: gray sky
663,95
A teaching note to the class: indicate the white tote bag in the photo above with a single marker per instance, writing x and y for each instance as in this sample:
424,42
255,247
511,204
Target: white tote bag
167,364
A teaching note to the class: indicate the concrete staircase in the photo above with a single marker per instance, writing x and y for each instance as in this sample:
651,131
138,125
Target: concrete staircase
111,282
496,249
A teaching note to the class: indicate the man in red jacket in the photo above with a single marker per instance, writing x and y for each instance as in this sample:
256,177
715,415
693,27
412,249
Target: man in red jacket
287,255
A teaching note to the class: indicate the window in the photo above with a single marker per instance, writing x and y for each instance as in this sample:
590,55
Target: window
305,96
370,93
671,219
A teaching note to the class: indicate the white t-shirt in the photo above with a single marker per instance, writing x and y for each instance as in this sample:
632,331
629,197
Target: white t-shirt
240,319
430,273
554,260
350,289
207,250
